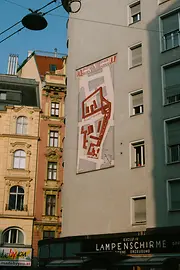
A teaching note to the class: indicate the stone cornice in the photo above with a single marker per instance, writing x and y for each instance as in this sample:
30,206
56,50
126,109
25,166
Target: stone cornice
19,136
16,217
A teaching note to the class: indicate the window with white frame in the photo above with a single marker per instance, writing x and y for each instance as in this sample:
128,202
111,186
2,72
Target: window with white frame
52,171
136,102
19,159
170,29
137,154
173,194
21,125
3,95
136,55
55,109
139,210
16,198
50,205
53,138
171,83
135,12
13,236
173,140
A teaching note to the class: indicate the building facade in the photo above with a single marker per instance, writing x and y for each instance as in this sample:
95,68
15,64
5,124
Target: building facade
50,72
123,157
19,121
121,178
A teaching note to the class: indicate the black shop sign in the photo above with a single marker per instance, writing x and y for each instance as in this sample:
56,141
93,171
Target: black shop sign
146,244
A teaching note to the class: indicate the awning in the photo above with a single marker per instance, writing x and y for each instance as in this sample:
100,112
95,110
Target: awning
146,261
67,263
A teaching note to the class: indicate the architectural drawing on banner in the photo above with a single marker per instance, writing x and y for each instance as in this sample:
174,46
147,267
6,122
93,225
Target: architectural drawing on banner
96,116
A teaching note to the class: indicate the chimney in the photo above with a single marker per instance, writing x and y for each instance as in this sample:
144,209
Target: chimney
55,52
12,64
29,53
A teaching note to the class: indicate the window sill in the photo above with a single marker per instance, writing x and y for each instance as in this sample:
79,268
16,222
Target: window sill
137,167
130,24
135,66
139,223
174,210
175,47
163,2
133,115
172,163
172,103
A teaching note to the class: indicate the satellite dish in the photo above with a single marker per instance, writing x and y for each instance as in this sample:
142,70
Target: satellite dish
34,21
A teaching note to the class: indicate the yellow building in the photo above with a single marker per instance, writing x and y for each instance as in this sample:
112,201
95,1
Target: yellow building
18,161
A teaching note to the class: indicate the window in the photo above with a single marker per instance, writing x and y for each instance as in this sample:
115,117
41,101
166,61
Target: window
171,83
136,55
13,236
139,210
52,171
137,154
136,102
173,140
2,95
16,198
173,192
53,138
170,28
48,234
50,205
135,12
55,109
21,125
52,68
19,159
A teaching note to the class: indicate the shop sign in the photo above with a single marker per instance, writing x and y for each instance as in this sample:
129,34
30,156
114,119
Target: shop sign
15,256
147,244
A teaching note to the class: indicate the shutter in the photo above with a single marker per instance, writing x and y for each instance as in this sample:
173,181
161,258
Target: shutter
140,209
174,132
135,9
170,23
136,55
175,191
137,99
14,97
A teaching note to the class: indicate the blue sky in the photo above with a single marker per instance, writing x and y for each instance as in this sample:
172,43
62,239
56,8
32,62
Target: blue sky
54,36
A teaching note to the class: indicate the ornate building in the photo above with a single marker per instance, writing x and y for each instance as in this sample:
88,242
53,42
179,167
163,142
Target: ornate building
50,72
19,135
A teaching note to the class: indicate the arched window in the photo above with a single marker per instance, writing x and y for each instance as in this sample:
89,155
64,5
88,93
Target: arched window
21,125
19,159
16,198
13,236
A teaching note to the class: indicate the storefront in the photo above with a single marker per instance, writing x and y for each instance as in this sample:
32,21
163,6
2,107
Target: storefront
131,251
11,257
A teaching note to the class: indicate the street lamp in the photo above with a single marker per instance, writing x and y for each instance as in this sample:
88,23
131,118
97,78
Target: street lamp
72,6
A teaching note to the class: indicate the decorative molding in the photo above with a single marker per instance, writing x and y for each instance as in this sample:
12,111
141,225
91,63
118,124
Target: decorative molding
19,136
55,125
21,144
52,155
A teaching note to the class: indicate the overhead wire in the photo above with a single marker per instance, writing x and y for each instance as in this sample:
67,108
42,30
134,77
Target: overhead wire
14,3
43,14
12,34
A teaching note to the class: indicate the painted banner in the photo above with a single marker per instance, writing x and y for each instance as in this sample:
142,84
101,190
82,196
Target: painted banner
15,256
96,116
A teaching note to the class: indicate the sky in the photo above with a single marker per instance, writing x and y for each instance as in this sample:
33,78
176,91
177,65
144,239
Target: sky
54,36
